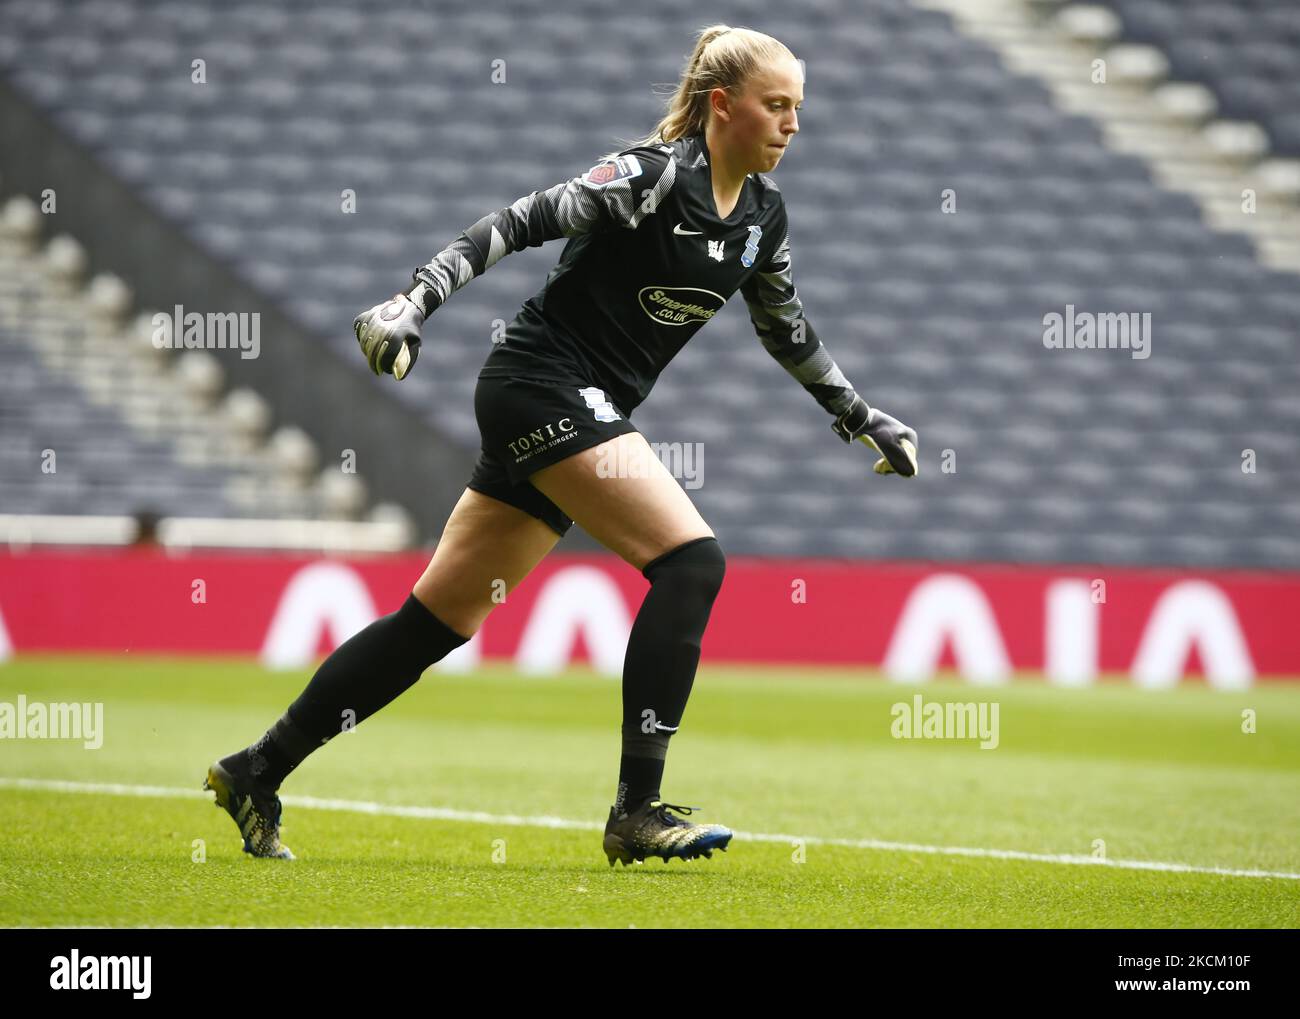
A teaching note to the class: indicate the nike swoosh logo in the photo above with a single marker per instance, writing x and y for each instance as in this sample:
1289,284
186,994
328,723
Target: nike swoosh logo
685,233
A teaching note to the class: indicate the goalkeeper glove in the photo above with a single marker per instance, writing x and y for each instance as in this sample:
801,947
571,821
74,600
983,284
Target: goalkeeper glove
893,440
389,335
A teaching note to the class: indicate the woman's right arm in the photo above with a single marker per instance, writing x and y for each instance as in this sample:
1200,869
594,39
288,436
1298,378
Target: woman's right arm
619,191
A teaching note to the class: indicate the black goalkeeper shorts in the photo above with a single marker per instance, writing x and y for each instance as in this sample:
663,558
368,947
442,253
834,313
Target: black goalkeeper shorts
528,424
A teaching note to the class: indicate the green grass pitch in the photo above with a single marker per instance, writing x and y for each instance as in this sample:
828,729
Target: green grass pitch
838,823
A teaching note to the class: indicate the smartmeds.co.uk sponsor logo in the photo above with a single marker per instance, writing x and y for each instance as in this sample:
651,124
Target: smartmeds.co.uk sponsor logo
679,306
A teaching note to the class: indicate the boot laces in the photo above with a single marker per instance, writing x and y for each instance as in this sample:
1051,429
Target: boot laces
662,811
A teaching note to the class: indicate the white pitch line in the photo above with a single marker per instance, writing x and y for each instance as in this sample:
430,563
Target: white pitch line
522,820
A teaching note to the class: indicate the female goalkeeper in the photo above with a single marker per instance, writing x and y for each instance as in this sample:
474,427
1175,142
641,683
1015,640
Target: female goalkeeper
660,235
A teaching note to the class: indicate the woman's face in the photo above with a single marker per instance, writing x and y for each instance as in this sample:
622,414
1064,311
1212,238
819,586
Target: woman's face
763,118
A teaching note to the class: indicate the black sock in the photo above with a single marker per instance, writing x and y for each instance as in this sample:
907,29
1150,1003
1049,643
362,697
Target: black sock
277,753
640,769
365,672
663,651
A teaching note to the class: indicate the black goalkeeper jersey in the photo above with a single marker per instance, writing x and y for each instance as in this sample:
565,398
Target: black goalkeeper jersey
648,262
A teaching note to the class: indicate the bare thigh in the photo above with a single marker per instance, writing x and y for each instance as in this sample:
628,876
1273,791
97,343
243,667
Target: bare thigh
487,547
638,512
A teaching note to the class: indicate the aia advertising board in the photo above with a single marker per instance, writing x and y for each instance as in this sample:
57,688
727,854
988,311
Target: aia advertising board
1070,624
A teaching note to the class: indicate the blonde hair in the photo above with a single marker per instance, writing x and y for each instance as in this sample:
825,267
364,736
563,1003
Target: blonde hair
723,57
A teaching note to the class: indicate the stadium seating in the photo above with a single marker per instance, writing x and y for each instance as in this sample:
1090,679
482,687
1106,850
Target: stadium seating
1028,454
96,420
1247,52
96,462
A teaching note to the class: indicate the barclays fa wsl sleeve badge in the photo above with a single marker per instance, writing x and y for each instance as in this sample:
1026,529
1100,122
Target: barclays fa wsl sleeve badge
609,170
751,246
